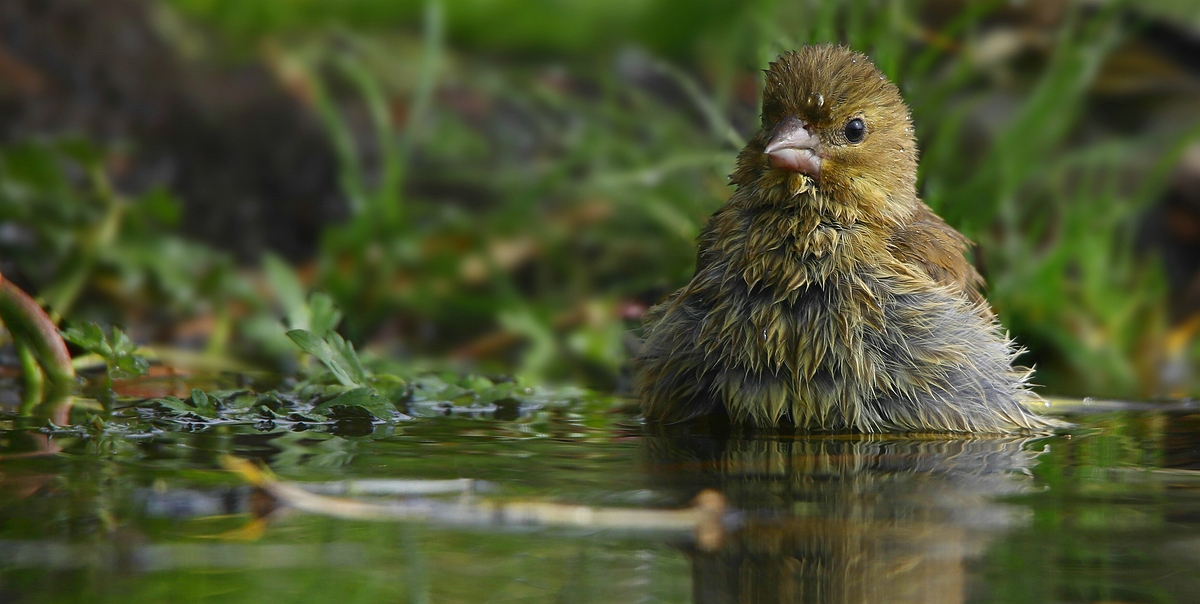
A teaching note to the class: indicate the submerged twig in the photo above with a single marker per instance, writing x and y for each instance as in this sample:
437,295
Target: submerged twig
1169,477
704,519
1058,405
399,487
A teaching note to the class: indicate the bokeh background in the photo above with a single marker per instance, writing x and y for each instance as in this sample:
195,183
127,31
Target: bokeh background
506,185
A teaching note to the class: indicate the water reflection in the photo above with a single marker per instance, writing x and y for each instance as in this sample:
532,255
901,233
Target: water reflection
850,519
1109,513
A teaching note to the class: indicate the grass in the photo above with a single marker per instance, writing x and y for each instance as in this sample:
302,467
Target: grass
581,162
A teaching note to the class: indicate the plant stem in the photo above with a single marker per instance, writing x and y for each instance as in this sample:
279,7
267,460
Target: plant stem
35,379
30,324
60,297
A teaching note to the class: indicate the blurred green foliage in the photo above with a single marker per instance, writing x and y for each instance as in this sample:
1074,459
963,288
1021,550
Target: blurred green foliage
572,27
592,141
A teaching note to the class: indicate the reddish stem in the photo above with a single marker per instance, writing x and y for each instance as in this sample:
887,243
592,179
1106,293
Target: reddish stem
27,322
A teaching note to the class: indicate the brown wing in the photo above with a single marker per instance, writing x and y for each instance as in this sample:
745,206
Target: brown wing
935,247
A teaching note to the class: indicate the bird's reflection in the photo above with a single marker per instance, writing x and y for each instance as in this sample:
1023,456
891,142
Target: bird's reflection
845,518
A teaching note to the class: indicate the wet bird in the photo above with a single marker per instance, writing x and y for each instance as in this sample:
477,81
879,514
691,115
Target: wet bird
826,295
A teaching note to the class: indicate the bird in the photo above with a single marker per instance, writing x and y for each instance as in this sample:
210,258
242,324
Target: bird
827,296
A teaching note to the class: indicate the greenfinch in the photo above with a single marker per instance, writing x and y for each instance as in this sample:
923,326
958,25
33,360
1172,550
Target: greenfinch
826,295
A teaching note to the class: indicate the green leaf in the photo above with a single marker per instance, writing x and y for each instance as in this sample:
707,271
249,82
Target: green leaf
204,404
198,405
81,150
159,204
238,401
34,165
335,353
118,351
288,289
391,387
88,336
323,315
360,402
478,383
348,357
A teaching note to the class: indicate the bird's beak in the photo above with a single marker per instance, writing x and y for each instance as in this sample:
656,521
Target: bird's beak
793,148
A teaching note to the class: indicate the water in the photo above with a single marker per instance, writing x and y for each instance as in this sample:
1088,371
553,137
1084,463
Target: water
141,510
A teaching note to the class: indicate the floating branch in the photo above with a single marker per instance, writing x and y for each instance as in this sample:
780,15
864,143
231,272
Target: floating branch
704,519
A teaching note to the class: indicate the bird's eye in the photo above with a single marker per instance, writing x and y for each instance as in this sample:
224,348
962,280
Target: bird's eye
855,130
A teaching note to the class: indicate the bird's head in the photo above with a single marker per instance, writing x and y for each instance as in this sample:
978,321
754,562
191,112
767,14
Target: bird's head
833,123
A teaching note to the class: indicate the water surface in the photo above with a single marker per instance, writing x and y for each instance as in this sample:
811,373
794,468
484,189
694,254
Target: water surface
140,509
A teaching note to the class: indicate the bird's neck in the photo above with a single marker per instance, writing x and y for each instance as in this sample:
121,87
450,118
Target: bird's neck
785,242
